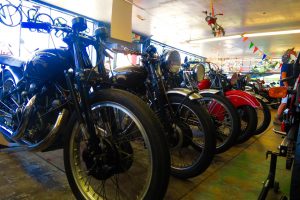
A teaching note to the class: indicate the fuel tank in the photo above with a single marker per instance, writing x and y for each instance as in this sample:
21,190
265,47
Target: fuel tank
49,64
131,78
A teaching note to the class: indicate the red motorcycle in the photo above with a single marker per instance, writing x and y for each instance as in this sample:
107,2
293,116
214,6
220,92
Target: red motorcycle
245,103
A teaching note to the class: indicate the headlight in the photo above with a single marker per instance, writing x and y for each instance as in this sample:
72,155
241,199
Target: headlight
173,61
199,71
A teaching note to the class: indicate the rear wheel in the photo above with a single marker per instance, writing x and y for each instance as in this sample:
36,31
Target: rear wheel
263,118
248,122
225,118
129,160
193,142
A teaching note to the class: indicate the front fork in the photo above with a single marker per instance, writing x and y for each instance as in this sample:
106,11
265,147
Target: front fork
82,109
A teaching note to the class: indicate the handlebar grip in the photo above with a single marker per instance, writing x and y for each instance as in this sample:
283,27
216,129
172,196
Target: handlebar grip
288,78
33,25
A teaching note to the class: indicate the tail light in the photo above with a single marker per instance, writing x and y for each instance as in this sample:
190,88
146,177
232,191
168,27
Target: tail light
204,84
282,127
278,92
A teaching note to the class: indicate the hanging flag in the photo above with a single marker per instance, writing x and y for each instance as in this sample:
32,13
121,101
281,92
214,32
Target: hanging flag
255,49
212,8
245,39
251,45
264,56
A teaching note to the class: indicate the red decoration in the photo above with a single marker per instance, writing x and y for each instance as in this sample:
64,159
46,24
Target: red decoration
245,39
255,49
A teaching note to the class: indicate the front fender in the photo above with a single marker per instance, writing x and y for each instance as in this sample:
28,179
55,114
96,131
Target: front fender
210,91
240,98
259,97
193,95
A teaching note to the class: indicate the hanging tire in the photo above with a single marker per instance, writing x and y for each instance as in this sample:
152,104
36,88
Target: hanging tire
263,118
226,120
248,122
193,147
131,161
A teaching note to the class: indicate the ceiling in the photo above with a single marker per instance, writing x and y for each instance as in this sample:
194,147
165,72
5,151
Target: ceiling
178,22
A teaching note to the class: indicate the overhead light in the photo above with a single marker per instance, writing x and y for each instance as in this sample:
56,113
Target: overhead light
214,39
272,33
197,41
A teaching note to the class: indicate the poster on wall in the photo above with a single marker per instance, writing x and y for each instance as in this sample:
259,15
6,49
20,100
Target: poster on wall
121,20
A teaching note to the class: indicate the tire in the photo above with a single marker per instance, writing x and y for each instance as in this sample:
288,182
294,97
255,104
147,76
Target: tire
295,177
232,124
203,152
264,121
14,15
148,126
248,119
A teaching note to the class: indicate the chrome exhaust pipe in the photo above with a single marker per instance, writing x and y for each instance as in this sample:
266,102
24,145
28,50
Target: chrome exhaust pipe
25,119
52,135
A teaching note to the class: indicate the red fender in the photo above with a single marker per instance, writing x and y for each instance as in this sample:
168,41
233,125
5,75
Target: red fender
241,98
217,110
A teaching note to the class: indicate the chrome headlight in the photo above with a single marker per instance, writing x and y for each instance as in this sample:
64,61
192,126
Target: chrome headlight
173,61
199,71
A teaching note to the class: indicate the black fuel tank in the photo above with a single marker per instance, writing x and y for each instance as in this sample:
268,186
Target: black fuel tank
131,77
49,64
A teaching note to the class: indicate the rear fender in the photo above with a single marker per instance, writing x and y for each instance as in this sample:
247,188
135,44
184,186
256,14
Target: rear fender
193,95
15,71
259,97
240,98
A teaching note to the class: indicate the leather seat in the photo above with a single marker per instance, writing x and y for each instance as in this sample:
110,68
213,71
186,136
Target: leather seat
127,69
11,61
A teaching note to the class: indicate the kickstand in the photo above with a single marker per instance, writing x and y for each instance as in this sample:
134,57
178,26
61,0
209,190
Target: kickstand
270,181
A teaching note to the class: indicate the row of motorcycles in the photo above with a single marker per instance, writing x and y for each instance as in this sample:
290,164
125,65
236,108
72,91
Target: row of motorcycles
125,131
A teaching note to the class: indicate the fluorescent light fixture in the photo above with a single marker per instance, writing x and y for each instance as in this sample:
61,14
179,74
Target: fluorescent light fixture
214,39
272,33
197,41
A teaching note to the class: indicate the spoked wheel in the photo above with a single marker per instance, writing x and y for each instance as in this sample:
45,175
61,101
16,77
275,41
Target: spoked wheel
130,158
263,118
225,118
193,146
248,122
7,110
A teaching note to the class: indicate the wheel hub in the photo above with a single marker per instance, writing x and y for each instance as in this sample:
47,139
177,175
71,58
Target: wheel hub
106,159
181,135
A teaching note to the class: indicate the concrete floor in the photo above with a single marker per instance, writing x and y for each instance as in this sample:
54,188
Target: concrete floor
235,174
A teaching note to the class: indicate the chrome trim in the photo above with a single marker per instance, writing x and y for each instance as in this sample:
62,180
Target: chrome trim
258,96
185,92
211,91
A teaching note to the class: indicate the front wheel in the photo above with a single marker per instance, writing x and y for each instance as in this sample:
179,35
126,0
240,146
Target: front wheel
193,144
248,119
226,120
129,159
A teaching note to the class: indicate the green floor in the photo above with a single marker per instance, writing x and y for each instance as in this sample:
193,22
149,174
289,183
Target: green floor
235,174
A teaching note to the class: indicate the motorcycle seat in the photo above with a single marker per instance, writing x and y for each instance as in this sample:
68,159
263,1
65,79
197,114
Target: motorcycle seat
11,61
128,69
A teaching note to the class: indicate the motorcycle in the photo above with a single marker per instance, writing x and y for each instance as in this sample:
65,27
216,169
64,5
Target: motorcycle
264,114
245,103
257,87
189,130
114,147
290,129
221,110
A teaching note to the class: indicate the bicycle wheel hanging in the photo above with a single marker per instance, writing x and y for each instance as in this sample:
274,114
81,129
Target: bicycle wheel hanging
10,15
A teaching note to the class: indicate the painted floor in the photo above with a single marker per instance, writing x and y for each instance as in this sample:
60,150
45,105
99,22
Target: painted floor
235,174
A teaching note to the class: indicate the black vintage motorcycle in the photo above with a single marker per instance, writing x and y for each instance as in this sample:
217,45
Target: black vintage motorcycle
221,110
188,127
114,147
